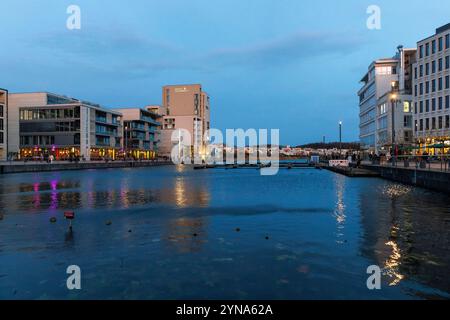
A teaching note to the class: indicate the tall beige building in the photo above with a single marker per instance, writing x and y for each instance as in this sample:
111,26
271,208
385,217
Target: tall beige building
3,124
184,107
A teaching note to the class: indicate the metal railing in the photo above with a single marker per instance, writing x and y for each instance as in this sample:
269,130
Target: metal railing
422,162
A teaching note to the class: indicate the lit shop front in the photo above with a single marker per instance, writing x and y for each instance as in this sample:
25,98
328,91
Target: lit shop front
141,154
105,153
434,146
41,153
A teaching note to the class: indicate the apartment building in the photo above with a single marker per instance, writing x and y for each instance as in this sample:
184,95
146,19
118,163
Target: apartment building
432,91
3,124
386,119
185,107
43,124
140,133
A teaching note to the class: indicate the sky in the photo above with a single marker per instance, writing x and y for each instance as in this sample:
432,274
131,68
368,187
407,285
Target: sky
290,65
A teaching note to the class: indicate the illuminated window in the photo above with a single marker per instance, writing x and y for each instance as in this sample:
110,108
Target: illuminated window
406,106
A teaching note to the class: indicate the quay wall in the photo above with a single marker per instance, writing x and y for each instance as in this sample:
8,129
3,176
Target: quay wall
42,167
429,179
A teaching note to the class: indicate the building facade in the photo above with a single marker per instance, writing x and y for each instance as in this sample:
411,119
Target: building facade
386,119
140,134
44,124
185,107
432,91
3,124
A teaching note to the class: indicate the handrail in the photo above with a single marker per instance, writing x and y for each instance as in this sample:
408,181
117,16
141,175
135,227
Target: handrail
423,162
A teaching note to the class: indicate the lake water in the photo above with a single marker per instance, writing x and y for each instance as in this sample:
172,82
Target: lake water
176,233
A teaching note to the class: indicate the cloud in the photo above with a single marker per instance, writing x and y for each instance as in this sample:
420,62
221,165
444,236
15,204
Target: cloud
286,50
121,52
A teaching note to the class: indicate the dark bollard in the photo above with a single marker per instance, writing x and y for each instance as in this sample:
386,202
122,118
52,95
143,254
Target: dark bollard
69,215
52,219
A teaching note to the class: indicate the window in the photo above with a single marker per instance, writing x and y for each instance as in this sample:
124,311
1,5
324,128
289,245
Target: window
427,69
447,121
407,121
440,84
440,103
447,82
1,110
1,137
1,124
415,107
433,123
415,125
433,104
421,70
447,62
421,125
427,49
427,105
421,89
421,50
427,87
406,106
447,102
433,46
421,106
440,123
447,41
440,64
433,85
385,70
427,124
440,44
433,66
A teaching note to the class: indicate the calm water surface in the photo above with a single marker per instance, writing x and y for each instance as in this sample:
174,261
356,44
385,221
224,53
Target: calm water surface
176,233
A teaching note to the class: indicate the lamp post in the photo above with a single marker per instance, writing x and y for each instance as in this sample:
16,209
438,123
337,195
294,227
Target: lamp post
394,99
340,139
126,142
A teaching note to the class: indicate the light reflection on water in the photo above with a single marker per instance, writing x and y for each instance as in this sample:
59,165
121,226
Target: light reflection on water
180,233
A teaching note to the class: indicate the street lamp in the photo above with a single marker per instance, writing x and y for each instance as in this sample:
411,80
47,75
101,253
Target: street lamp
126,142
340,139
394,99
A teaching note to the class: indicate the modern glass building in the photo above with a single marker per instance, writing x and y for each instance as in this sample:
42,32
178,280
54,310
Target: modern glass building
44,124
141,134
385,108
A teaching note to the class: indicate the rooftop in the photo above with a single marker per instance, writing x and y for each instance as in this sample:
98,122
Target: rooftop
63,99
438,31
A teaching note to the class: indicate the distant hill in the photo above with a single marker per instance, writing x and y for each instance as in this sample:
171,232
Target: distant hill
331,145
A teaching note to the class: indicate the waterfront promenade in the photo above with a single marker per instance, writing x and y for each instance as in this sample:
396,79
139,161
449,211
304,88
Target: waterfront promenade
39,166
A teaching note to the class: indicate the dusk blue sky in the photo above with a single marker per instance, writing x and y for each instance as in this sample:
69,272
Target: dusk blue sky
293,65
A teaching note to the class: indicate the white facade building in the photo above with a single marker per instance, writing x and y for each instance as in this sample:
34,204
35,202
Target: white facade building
385,103
432,90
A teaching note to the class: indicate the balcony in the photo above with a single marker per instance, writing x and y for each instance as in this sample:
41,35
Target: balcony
103,120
